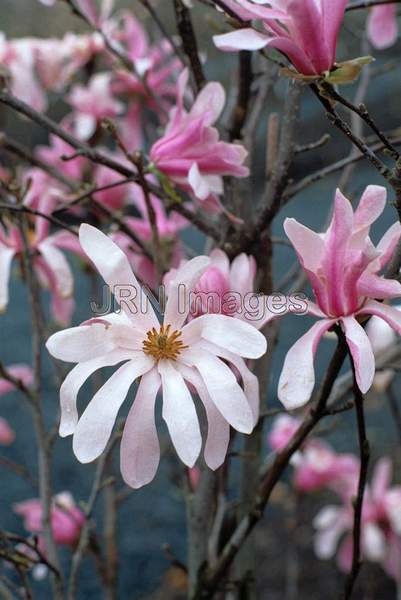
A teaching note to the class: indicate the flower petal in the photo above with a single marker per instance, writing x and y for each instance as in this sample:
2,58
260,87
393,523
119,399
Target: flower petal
362,352
75,380
185,279
94,427
58,264
6,257
227,332
140,451
114,267
223,388
242,39
180,414
79,344
218,430
297,378
389,314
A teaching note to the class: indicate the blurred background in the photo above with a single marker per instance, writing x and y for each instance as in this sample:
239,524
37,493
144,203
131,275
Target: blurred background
152,520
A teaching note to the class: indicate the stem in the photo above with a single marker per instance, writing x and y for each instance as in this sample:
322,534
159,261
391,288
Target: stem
364,450
189,42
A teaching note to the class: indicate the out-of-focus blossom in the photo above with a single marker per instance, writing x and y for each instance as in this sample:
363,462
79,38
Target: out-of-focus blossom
50,264
190,152
57,149
22,372
170,357
92,103
194,478
7,435
380,528
306,32
316,464
343,267
17,60
58,60
382,26
168,227
283,430
382,337
67,519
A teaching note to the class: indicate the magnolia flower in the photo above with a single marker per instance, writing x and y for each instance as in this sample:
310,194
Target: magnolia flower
56,149
190,152
168,356
316,464
306,32
50,264
381,526
343,267
157,65
168,227
66,519
92,103
382,26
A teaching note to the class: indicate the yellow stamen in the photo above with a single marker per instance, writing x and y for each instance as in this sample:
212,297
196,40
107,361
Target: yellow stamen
163,344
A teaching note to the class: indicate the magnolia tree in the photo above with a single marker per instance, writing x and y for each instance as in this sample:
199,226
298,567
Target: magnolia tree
147,145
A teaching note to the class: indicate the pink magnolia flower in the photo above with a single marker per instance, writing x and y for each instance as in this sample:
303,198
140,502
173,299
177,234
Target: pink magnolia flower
316,464
381,526
51,266
155,64
17,56
168,356
190,152
168,227
66,519
56,149
343,267
382,26
306,32
22,372
92,103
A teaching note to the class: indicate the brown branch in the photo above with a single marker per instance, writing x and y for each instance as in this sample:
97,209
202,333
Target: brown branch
245,78
212,576
189,42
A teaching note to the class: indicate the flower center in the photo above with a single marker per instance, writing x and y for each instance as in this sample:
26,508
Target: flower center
163,343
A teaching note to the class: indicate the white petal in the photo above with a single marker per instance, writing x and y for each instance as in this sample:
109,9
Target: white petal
75,380
180,414
140,451
79,344
60,268
94,427
6,257
362,353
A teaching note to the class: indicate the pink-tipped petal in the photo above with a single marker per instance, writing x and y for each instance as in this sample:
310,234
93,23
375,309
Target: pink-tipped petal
389,314
94,427
362,352
75,380
140,451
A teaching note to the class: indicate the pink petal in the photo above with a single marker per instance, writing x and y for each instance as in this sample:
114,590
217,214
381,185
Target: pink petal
242,39
140,451
94,427
60,268
371,206
381,478
362,353
388,243
308,244
6,257
221,383
114,267
210,101
75,380
389,314
382,26
7,435
333,16
297,378
180,414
